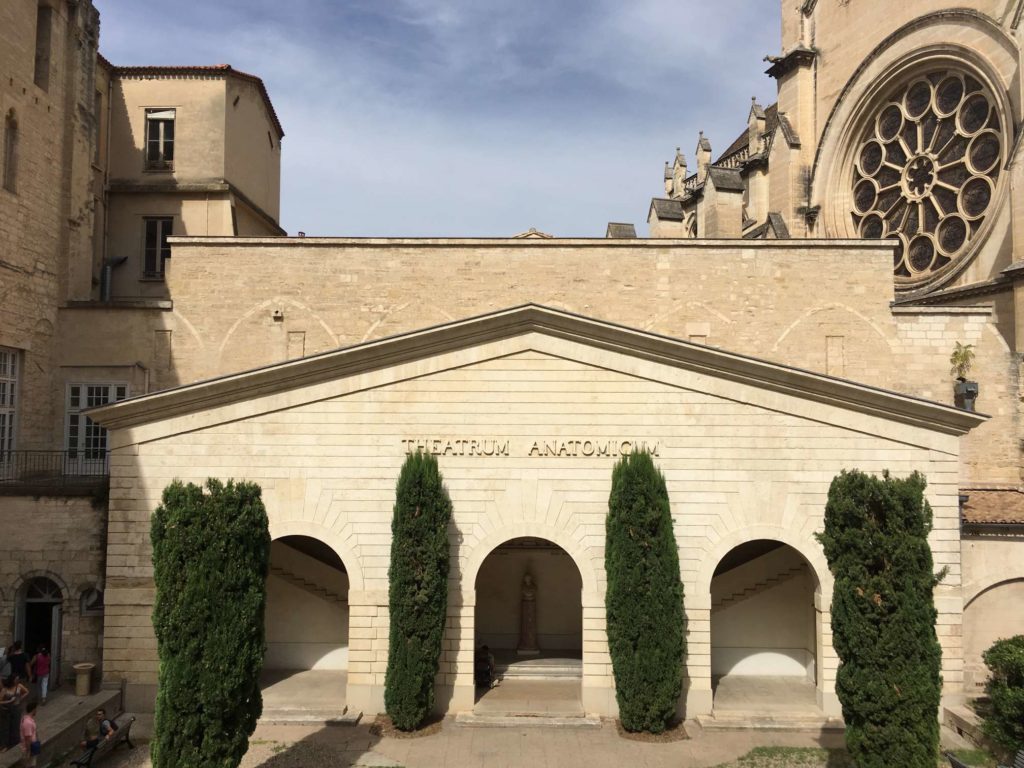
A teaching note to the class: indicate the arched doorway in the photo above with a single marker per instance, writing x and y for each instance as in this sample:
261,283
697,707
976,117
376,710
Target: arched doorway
307,629
531,582
39,620
765,653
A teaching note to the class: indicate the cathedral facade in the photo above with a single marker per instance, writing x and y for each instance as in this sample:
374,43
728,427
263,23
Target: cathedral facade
792,314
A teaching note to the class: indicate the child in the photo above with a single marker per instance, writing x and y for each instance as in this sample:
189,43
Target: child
40,668
30,743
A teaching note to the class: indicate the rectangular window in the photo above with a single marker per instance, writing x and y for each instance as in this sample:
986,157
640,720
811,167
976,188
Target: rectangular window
159,139
156,249
86,441
10,152
8,401
44,18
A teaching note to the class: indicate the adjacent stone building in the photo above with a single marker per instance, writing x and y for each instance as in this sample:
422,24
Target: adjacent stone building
792,314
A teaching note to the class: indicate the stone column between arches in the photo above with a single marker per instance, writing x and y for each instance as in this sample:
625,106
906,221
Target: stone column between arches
369,620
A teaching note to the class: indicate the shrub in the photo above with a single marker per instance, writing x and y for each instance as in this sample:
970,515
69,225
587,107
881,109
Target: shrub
1004,720
644,601
883,618
210,555
418,590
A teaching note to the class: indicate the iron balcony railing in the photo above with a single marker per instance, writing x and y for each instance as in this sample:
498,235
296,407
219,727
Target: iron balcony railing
58,468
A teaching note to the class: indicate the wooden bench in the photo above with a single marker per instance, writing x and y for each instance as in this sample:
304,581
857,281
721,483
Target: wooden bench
1018,761
954,762
123,735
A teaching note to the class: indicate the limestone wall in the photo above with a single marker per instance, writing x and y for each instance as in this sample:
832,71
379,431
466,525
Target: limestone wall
751,298
741,464
63,539
47,220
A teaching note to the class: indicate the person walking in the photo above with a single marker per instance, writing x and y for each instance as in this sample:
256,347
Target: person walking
31,746
40,669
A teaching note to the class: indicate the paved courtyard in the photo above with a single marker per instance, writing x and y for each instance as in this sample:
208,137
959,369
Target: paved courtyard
290,746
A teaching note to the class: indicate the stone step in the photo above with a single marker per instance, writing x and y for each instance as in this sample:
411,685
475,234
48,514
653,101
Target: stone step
310,717
539,672
61,723
759,720
526,720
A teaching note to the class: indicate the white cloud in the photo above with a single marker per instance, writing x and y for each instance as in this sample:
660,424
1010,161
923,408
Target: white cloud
473,117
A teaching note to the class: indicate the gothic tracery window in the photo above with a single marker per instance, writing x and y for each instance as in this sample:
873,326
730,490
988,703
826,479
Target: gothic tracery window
926,168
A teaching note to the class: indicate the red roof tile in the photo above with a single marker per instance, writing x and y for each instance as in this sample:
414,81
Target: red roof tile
994,505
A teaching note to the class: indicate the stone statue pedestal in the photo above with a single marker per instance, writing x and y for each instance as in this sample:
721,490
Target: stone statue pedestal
528,619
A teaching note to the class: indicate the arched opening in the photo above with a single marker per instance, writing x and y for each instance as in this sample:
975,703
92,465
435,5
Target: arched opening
986,620
307,630
765,653
39,620
529,615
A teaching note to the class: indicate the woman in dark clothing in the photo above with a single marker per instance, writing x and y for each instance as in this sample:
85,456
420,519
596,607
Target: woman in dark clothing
12,695
19,662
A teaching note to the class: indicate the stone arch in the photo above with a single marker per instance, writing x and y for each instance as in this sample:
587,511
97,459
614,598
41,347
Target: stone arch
21,584
807,548
424,314
494,539
349,557
328,338
824,308
973,591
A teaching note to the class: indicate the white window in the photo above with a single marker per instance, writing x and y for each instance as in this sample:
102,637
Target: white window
155,248
8,399
159,139
86,441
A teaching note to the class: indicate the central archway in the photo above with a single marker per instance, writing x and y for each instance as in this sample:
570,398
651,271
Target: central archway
307,630
529,617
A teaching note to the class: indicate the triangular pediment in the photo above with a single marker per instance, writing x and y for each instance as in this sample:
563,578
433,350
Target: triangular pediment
603,344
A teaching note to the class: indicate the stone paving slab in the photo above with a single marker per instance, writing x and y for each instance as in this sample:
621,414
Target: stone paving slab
288,746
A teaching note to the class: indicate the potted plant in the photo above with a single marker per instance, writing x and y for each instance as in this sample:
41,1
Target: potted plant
965,392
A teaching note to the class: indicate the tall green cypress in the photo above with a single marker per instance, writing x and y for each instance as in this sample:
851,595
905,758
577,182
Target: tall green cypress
883,618
210,556
418,590
644,601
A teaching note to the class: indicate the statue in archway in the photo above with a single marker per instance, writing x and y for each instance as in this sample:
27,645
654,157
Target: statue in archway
528,618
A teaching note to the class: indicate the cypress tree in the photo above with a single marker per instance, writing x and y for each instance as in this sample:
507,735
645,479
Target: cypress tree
644,601
210,556
418,590
883,618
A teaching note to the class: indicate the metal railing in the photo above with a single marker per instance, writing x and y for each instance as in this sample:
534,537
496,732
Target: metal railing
55,468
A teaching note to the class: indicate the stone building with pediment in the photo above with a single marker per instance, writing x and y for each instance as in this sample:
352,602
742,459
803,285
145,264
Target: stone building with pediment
791,315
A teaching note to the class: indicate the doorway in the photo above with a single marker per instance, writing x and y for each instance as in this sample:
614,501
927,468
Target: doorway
305,669
540,673
39,621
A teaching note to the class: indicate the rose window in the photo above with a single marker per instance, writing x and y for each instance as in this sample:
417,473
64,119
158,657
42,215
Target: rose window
926,170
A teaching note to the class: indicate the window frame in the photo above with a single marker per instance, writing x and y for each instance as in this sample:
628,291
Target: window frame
10,396
156,119
81,455
161,251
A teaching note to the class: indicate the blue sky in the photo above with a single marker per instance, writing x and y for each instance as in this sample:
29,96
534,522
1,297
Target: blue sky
427,118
